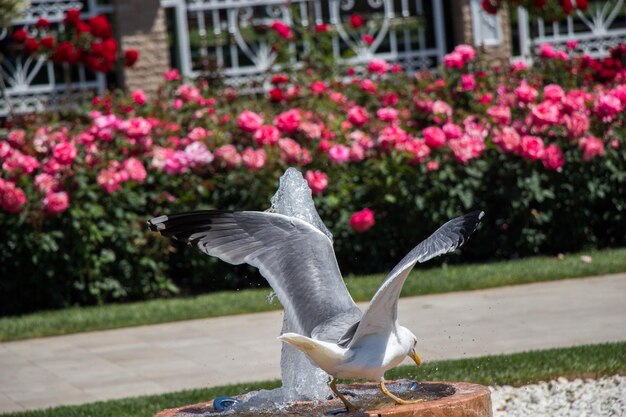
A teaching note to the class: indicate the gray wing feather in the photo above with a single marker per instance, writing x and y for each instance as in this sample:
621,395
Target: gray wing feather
383,308
295,258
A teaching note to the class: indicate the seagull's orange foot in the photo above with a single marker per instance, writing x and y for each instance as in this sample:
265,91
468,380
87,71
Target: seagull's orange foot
397,400
349,406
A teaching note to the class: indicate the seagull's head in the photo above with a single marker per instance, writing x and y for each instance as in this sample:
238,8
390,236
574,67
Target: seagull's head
409,340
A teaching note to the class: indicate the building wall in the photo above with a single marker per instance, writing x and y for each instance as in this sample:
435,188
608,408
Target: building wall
141,25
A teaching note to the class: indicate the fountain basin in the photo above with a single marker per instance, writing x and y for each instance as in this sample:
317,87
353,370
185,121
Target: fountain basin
441,399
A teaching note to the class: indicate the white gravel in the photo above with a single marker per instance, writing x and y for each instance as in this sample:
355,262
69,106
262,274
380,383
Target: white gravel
605,397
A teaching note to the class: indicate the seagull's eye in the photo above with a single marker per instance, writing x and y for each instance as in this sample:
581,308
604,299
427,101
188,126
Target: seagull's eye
414,342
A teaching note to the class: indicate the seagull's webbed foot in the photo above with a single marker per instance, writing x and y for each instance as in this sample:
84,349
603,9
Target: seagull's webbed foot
333,386
397,400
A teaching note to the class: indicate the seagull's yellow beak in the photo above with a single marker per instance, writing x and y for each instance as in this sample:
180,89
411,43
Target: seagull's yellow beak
416,357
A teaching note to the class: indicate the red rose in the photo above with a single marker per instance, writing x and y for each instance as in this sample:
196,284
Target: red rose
356,21
31,45
130,57
63,50
582,4
19,35
42,23
567,6
99,27
276,94
47,42
280,79
490,6
322,27
368,39
82,27
362,221
72,16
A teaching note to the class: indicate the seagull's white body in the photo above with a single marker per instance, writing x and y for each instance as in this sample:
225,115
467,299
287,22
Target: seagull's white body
370,358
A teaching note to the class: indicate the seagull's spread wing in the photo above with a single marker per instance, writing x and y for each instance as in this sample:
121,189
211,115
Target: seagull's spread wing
297,259
383,309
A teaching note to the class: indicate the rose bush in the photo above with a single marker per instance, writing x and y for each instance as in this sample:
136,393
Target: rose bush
541,150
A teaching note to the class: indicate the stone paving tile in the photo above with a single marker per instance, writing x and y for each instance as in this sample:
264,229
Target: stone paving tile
8,405
207,352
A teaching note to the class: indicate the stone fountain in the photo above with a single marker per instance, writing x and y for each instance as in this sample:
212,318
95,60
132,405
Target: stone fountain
305,390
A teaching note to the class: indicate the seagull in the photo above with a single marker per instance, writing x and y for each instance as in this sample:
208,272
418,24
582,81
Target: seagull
299,263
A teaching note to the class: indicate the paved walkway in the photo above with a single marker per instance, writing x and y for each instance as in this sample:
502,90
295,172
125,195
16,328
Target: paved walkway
199,353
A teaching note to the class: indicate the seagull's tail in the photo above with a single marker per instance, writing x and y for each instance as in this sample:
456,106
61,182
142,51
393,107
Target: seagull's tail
324,354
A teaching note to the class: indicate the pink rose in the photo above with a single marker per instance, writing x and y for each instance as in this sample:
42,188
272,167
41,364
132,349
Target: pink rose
139,97
253,159
267,135
526,93
55,203
12,198
432,166
507,139
452,130
434,137
358,116
500,114
441,111
418,149
378,66
249,121
553,92
135,169
591,147
317,180
387,114
467,52
531,147
545,113
198,133
65,153
468,82
546,50
453,60
198,154
288,121
45,182
5,150
177,163
392,137
607,106
577,124
318,87
362,221
357,152
292,153
339,153
17,138
467,147
553,158
228,155
172,75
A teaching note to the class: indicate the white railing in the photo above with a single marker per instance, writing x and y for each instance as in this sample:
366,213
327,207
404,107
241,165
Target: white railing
36,83
227,36
598,29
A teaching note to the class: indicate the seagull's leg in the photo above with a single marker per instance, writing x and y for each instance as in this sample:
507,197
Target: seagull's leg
398,400
344,400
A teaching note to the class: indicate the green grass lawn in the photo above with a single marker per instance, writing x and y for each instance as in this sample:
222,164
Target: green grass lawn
517,369
422,281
